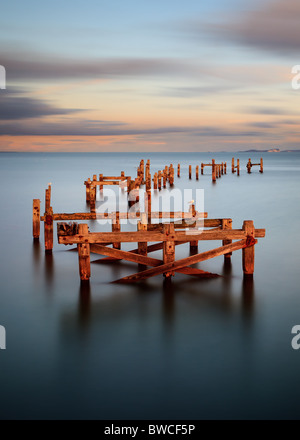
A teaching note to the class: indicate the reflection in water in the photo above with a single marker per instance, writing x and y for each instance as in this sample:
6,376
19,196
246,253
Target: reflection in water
84,303
36,253
49,269
248,295
227,284
168,301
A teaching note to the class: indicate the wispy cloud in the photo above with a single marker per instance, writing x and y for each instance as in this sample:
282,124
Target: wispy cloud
15,105
273,26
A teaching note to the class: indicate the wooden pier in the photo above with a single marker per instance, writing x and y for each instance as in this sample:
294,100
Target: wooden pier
166,237
173,228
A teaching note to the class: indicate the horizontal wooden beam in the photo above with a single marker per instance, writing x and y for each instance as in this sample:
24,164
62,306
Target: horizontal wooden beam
184,262
151,236
123,215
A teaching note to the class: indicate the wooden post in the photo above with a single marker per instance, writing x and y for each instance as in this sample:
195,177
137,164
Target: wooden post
222,168
227,224
87,190
148,203
122,175
148,182
48,222
178,170
261,165
225,168
190,171
36,218
213,167
238,166
249,165
115,227
159,180
197,172
232,165
155,181
193,244
202,168
101,180
93,198
142,169
171,178
169,248
84,255
48,230
142,246
248,252
164,178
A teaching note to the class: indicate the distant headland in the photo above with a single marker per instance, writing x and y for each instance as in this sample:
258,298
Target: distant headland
272,150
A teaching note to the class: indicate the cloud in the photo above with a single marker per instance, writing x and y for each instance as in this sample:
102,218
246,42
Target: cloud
36,66
15,105
274,26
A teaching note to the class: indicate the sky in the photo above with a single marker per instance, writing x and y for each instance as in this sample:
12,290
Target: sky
138,76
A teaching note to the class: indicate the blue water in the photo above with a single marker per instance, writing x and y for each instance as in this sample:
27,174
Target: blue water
219,348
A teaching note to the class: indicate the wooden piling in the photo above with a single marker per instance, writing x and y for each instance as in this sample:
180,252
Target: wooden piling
48,222
142,245
190,171
159,180
93,198
225,168
197,172
115,227
202,168
238,166
36,218
232,165
249,166
261,165
101,180
178,170
213,166
164,178
155,181
84,255
248,252
169,248
227,224
87,190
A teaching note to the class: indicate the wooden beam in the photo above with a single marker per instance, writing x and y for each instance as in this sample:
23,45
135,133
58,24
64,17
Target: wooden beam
183,262
96,248
150,236
117,255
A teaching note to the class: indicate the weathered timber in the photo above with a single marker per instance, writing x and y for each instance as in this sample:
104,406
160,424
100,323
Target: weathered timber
84,255
226,225
183,262
150,236
118,255
36,218
248,253
168,248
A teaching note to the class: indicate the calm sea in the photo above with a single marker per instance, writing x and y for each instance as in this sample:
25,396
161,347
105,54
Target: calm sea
212,349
